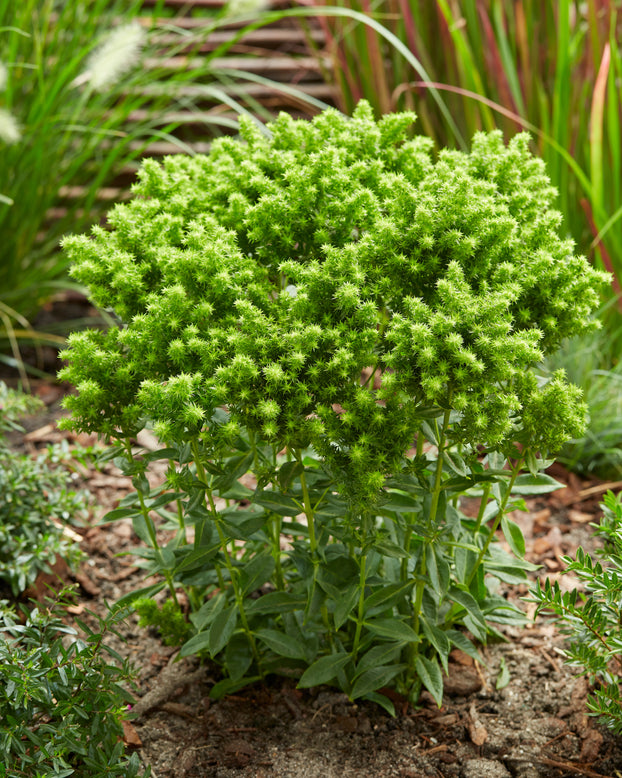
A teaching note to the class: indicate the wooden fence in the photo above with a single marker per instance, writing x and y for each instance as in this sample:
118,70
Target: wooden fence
278,56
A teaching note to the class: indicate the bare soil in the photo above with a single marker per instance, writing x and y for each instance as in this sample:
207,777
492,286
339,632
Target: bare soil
534,727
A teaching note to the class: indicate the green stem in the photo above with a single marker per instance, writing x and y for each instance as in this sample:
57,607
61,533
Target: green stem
360,610
309,513
420,443
152,531
442,437
182,524
404,563
308,508
436,494
517,467
276,552
239,598
482,507
419,591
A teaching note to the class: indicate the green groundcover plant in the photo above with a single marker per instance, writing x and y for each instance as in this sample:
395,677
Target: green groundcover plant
334,336
36,503
593,621
62,697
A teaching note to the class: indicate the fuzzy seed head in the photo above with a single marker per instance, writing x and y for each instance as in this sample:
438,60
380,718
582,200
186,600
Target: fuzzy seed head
114,57
9,128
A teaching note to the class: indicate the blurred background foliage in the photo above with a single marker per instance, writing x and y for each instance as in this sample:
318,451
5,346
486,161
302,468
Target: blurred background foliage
552,67
87,88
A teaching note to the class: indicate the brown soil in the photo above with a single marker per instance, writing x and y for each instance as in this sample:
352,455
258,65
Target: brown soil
535,726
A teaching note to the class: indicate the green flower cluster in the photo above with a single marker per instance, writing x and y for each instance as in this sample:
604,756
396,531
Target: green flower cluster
269,274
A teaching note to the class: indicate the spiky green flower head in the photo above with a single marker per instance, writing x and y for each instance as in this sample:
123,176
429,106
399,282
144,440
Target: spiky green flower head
269,274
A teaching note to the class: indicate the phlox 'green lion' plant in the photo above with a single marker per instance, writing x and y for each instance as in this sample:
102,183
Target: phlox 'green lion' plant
355,324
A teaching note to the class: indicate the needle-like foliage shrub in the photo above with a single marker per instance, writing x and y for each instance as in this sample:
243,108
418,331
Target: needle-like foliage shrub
35,504
356,324
592,619
62,697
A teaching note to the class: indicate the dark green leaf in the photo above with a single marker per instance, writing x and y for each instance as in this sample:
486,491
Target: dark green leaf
438,638
257,572
380,699
455,463
139,524
344,604
438,570
461,641
190,560
468,602
386,596
535,484
162,453
229,686
146,591
387,548
208,611
236,491
383,654
235,467
222,628
275,602
196,643
508,575
430,674
287,472
401,503
393,629
373,679
323,670
119,513
277,503
163,499
242,523
238,656
282,644
514,536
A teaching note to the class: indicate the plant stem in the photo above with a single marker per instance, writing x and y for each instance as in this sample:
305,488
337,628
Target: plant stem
436,493
482,506
309,513
275,522
516,468
365,525
239,597
308,508
276,552
151,529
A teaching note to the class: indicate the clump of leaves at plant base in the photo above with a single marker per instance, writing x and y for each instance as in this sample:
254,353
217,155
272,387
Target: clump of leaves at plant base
35,505
355,323
593,621
62,698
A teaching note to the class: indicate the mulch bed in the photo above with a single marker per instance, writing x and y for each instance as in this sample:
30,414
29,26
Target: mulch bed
535,726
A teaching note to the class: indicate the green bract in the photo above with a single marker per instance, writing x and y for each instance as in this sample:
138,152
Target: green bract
322,300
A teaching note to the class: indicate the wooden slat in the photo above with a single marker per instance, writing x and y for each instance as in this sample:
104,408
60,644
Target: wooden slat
275,38
250,64
319,90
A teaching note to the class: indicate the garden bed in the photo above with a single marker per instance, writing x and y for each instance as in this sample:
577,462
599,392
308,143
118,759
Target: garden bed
520,714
